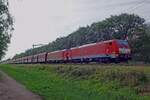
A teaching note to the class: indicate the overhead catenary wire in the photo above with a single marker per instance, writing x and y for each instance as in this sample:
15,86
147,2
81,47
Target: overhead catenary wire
136,7
133,8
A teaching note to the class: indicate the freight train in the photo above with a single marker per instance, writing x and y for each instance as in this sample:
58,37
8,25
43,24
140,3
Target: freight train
105,51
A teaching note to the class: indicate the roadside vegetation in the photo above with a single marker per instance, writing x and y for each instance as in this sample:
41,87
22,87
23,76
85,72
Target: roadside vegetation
86,82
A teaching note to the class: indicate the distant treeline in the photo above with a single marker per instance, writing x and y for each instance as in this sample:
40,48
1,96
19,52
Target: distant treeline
122,26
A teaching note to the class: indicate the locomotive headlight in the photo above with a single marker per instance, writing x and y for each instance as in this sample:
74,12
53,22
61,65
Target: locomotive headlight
121,50
124,50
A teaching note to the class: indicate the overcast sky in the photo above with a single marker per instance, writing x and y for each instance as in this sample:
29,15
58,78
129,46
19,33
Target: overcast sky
42,21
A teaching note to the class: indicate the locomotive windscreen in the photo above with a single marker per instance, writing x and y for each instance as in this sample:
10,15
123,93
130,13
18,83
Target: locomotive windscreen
123,43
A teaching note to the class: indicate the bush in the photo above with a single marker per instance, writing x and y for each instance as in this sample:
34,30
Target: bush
126,78
78,72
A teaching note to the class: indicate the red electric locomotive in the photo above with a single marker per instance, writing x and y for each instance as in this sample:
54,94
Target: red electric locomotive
106,51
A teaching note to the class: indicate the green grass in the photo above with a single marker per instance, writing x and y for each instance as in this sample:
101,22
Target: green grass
83,82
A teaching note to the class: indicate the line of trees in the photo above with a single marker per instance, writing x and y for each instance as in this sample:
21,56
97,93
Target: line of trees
115,27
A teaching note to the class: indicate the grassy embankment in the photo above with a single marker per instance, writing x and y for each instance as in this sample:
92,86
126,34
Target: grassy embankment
84,82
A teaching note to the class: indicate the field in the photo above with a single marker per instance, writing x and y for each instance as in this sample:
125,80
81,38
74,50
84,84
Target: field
84,82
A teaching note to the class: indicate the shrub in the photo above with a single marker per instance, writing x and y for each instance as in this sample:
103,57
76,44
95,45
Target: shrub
126,78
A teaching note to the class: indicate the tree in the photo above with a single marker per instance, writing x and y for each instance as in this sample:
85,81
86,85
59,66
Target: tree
6,23
124,24
142,44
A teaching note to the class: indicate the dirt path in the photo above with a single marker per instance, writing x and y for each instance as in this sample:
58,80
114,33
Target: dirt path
11,90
